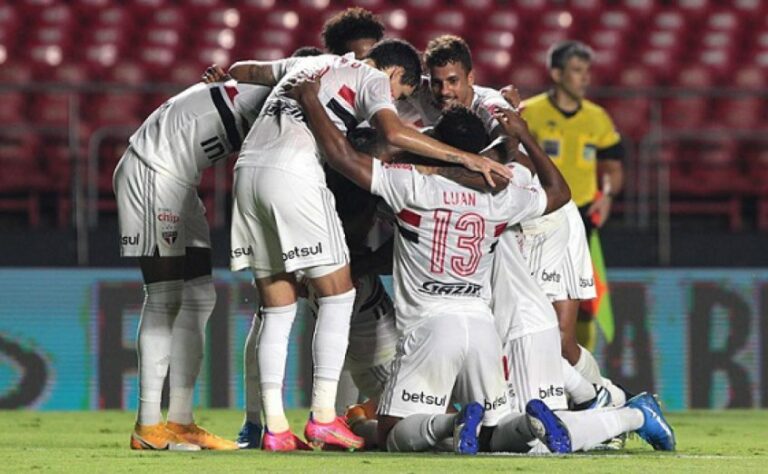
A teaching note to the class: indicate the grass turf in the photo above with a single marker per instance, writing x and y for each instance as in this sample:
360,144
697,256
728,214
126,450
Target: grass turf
725,441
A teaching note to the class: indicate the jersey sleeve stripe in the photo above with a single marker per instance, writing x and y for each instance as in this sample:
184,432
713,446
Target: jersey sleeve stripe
409,217
350,122
499,229
227,118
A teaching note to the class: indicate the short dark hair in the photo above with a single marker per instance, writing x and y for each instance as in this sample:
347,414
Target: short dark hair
461,128
306,51
448,49
397,52
351,24
559,54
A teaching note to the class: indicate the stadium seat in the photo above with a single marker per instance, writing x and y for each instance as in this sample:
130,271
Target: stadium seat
527,78
492,64
20,190
688,112
14,103
640,9
694,9
60,15
220,17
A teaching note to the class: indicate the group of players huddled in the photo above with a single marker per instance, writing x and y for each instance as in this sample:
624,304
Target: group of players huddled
354,162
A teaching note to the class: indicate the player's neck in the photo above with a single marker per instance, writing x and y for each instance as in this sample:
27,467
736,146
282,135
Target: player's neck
564,101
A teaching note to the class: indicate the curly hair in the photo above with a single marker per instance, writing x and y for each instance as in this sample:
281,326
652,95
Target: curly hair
448,49
351,24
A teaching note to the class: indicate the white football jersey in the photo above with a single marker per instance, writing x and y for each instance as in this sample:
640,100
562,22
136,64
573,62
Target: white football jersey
197,127
351,91
446,237
520,306
421,109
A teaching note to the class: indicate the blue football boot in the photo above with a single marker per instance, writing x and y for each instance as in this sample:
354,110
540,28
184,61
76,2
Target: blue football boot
467,428
655,430
547,427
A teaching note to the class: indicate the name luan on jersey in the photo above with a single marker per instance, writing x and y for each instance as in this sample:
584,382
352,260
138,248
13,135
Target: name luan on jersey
446,237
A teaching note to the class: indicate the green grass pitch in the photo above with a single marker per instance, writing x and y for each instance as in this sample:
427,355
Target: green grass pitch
80,442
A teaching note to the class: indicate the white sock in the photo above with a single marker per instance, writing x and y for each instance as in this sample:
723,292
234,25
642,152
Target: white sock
587,366
187,343
329,349
272,352
618,397
589,428
578,388
251,378
162,301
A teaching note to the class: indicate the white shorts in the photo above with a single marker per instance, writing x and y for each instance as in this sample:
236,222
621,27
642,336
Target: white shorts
533,370
155,211
448,357
555,247
283,223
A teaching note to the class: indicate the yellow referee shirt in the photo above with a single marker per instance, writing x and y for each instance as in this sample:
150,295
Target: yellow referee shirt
574,141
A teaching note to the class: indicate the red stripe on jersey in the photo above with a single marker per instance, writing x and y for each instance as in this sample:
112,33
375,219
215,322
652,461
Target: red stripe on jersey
410,217
348,95
231,92
499,229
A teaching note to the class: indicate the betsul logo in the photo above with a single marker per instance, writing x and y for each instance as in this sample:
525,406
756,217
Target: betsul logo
551,391
551,276
424,399
303,251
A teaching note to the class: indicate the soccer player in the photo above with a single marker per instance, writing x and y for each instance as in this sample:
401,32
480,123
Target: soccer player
162,223
353,30
284,218
420,431
582,141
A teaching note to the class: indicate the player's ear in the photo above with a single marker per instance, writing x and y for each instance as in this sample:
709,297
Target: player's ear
471,78
556,75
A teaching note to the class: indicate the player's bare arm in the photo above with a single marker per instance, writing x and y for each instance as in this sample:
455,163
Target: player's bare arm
357,167
398,134
558,192
253,72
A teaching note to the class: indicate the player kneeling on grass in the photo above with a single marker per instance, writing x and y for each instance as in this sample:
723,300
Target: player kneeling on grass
438,289
429,357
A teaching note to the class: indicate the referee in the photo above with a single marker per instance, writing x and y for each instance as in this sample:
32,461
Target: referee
582,141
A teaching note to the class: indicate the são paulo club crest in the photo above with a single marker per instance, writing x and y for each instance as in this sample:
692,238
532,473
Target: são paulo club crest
169,225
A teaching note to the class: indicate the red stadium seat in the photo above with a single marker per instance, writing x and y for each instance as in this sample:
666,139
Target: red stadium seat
282,19
724,20
669,20
504,21
586,9
13,106
494,64
396,21
157,59
60,15
20,190
127,72
688,112
115,15
559,20
694,9
527,77
186,72
221,17
494,39
616,20
640,9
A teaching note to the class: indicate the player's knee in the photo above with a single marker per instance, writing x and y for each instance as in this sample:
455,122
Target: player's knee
198,301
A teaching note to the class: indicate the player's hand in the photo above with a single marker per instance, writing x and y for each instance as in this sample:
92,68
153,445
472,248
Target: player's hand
511,95
302,87
512,123
215,73
600,209
487,167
